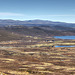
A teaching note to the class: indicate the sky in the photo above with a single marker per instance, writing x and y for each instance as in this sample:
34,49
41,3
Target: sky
53,10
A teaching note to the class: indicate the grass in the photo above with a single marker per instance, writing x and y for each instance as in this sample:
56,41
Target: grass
37,59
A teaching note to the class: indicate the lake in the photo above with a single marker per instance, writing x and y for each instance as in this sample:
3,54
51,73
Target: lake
64,46
65,37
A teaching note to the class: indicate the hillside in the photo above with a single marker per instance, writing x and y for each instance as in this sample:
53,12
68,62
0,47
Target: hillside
41,30
7,35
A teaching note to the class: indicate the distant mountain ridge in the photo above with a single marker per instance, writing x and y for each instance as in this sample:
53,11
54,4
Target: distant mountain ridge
40,28
34,23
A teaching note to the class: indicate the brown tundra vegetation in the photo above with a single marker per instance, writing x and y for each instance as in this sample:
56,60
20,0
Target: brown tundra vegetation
37,56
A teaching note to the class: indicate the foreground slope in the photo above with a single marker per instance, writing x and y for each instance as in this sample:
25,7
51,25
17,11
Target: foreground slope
26,59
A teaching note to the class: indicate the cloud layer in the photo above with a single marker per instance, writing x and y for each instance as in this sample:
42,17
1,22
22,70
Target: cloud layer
17,14
10,14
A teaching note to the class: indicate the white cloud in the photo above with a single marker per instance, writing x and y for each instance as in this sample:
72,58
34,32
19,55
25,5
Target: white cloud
10,14
57,15
62,15
23,15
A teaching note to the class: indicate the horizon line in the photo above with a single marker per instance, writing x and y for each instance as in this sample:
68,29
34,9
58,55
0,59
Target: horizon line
35,19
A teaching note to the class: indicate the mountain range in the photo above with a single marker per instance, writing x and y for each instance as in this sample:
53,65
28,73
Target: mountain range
11,29
35,23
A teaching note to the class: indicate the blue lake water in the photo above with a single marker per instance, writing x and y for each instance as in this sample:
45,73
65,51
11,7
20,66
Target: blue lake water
64,46
65,37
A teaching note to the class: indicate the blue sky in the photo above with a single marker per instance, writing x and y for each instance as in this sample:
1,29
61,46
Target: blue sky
53,10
